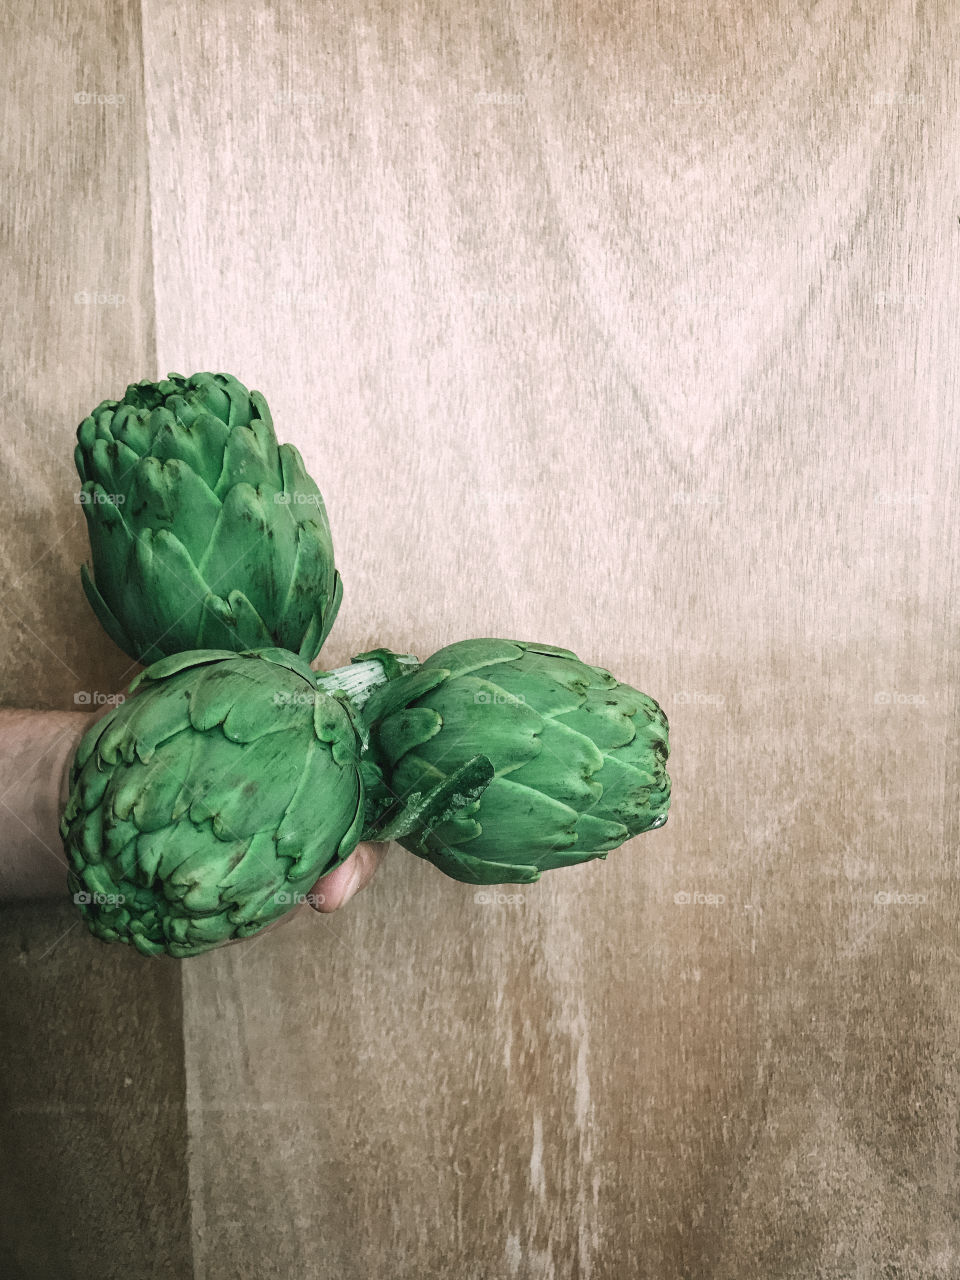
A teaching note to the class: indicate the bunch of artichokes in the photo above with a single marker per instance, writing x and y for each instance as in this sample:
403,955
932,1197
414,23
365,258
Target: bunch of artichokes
210,801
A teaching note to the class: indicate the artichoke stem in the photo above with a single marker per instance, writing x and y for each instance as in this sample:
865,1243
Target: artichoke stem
359,679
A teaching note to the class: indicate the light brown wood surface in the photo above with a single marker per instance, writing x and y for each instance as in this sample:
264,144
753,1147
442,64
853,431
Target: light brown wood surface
631,329
93,1133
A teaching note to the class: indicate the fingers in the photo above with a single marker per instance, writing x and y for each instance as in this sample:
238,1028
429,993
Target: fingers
333,890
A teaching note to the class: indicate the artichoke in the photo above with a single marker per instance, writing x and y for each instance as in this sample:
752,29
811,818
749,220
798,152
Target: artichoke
204,533
575,760
206,805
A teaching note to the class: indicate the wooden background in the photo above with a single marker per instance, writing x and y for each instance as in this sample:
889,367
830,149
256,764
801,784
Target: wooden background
631,329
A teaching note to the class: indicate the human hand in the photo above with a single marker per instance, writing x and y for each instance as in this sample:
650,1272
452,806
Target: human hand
332,891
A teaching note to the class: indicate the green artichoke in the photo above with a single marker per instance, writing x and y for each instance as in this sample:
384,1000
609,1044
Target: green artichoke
204,532
207,805
575,760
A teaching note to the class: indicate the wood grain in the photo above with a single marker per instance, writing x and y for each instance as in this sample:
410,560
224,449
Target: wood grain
92,1101
78,320
93,1178
631,330
578,319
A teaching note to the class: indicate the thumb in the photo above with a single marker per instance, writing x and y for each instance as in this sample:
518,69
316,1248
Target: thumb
331,891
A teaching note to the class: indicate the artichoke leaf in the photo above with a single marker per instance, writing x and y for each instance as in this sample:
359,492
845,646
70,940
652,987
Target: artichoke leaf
438,804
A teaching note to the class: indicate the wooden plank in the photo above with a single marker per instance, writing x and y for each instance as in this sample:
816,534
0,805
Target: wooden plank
77,321
93,1175
93,1170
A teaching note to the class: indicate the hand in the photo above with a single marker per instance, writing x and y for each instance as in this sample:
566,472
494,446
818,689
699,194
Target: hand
338,887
